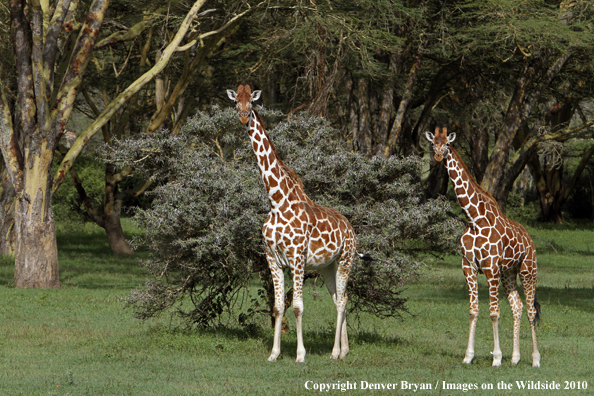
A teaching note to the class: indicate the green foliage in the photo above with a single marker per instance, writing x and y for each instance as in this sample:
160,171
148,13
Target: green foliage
66,201
204,227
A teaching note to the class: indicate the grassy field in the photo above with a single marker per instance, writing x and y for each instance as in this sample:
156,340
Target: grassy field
79,340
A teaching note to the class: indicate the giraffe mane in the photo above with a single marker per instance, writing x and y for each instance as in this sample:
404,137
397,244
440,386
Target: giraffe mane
478,187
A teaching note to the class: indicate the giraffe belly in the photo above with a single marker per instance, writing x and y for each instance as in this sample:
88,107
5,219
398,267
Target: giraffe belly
321,259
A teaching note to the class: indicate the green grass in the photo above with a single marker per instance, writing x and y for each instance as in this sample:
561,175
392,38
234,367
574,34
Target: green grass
79,340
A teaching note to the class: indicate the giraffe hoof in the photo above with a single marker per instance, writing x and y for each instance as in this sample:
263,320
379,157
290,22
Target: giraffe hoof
515,360
468,358
536,360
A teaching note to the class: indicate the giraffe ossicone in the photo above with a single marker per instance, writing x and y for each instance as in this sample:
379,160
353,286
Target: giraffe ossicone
494,245
298,234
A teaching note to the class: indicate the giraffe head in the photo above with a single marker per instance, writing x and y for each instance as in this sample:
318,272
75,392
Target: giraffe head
440,141
244,98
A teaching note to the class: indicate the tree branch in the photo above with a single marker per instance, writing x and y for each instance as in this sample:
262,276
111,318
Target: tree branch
81,55
122,98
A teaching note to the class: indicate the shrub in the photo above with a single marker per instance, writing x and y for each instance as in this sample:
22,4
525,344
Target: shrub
203,229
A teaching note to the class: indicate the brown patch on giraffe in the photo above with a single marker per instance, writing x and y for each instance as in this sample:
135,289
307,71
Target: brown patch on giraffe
277,196
481,207
296,223
491,218
298,240
463,200
316,244
494,237
272,183
324,226
276,172
284,207
303,217
466,242
480,241
315,233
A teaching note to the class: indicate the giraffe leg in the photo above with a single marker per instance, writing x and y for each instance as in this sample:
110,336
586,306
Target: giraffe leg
511,289
335,279
342,276
298,272
494,280
528,278
278,277
470,274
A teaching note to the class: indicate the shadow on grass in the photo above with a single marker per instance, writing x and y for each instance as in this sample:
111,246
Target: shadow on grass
580,298
316,342
86,261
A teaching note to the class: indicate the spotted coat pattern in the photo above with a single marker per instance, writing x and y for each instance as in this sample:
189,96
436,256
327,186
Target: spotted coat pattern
298,234
493,245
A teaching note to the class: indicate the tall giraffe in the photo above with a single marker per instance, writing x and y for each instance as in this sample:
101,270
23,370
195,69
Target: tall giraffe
493,245
298,234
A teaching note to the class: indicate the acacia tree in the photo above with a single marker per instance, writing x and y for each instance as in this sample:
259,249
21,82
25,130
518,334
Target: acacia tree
50,64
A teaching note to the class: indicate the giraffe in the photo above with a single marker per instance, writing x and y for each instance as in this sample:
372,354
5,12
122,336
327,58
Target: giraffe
493,245
298,234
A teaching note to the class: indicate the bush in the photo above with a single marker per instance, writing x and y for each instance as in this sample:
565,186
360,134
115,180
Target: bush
204,227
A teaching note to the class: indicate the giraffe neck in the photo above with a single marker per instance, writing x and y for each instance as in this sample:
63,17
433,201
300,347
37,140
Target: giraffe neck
472,198
282,185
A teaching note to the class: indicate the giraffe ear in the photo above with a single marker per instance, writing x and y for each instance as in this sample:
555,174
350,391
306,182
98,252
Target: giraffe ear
429,136
256,95
231,94
451,137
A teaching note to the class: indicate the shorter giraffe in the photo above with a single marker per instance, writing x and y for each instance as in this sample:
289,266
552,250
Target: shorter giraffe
494,245
298,234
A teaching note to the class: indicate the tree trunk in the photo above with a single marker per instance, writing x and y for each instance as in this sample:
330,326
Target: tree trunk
7,206
405,100
479,150
36,253
499,175
362,138
550,201
112,210
436,183
115,234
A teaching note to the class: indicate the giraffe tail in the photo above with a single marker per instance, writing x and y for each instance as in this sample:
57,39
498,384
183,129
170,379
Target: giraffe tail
365,257
537,307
